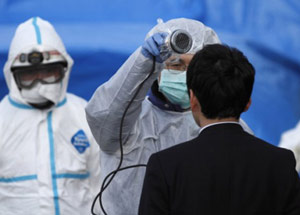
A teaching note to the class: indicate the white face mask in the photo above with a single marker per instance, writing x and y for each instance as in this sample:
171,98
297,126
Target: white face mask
41,93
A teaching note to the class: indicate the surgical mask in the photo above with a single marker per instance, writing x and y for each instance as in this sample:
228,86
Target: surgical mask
41,93
172,85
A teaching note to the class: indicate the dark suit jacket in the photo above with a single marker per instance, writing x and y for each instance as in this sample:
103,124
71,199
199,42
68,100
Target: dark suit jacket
223,171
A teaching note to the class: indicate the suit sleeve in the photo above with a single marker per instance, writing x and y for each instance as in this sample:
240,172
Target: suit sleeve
105,109
291,140
155,196
94,170
293,202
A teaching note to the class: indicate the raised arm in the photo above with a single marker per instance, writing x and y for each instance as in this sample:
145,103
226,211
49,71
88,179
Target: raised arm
106,107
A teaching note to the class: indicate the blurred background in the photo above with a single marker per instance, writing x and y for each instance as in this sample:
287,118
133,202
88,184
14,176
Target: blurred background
100,35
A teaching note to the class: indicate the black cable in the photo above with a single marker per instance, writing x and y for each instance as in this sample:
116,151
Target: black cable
113,173
117,170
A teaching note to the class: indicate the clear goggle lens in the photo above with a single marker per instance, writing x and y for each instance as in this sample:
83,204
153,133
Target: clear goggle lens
27,77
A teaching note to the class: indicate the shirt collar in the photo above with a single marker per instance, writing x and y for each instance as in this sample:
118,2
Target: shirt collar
218,123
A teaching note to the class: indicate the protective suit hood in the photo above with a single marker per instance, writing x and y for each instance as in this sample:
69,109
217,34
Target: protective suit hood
201,34
39,35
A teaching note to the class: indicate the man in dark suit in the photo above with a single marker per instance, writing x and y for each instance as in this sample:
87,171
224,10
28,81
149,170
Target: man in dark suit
224,170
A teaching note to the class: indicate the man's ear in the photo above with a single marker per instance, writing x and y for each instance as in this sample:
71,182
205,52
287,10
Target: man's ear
248,105
194,101
195,108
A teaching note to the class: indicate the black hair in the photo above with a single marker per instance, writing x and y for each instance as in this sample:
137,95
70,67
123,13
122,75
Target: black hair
221,78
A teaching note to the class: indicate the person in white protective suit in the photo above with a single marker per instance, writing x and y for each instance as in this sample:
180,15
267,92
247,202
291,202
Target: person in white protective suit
49,160
153,122
290,139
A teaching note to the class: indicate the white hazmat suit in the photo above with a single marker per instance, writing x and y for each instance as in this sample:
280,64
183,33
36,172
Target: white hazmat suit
49,160
291,140
149,126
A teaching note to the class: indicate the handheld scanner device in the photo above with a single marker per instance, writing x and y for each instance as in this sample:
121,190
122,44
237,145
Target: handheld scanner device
180,41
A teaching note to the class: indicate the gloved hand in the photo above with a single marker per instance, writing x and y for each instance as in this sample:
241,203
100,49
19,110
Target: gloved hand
155,46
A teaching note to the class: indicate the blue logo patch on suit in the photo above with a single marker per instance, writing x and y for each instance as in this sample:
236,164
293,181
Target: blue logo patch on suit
80,141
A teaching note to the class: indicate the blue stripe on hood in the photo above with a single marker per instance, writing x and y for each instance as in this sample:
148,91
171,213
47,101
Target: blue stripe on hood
37,31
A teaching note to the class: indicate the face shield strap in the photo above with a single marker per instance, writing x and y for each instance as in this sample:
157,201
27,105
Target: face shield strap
36,57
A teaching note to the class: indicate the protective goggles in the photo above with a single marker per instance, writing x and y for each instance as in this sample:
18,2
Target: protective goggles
27,77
